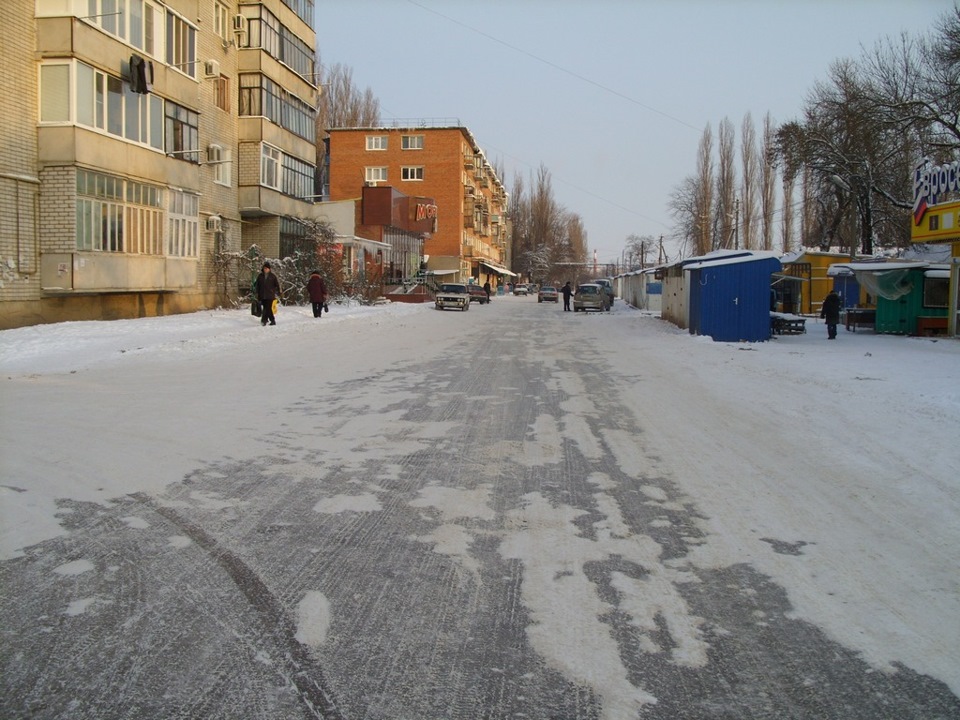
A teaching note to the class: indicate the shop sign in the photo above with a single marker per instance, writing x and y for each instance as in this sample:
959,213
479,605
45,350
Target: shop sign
426,211
930,182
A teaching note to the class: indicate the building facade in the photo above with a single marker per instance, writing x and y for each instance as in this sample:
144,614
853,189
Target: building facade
149,138
470,237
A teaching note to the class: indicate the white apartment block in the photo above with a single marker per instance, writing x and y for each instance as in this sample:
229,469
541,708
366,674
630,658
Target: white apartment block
141,137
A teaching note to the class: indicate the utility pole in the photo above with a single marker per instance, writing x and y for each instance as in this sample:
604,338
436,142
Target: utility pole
736,224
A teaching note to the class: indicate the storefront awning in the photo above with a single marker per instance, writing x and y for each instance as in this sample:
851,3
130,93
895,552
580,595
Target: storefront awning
442,272
498,269
360,242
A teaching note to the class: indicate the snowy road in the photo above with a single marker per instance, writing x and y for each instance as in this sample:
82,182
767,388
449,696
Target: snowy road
513,512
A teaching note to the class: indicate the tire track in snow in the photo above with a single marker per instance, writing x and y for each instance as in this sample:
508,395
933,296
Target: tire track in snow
305,673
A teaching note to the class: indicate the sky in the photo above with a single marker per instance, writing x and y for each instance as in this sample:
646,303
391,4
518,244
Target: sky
866,480
610,96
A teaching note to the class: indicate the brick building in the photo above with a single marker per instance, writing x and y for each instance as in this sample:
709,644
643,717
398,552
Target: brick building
470,239
141,138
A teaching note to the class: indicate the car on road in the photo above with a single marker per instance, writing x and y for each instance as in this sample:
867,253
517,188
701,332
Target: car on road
477,294
453,295
520,289
590,296
548,293
607,285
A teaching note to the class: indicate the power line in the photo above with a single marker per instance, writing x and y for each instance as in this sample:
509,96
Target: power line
556,66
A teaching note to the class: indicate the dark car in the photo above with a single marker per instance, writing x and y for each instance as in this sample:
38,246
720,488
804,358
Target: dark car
607,285
548,293
477,294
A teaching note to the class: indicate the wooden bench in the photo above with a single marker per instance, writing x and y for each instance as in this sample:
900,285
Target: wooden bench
784,324
929,325
860,317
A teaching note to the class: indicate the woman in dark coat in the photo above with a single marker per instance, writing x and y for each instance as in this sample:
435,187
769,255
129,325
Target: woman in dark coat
268,290
830,311
317,289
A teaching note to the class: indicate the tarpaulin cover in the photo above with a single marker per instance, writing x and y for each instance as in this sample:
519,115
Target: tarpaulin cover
890,285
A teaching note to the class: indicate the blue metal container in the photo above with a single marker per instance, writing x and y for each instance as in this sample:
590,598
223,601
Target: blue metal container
730,298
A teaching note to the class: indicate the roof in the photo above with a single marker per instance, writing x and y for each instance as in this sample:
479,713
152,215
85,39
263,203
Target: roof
837,269
735,260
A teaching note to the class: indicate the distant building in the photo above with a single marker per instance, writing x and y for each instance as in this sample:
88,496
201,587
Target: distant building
442,163
140,138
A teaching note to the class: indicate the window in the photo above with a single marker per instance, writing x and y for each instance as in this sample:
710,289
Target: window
259,95
278,41
411,173
411,142
117,215
221,90
181,45
375,174
303,9
221,21
182,136
288,174
129,20
54,93
270,166
376,142
294,237
934,222
297,177
102,101
936,292
183,224
219,159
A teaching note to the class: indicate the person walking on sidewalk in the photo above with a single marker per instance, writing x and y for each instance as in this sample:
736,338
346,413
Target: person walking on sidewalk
268,290
830,311
567,291
317,289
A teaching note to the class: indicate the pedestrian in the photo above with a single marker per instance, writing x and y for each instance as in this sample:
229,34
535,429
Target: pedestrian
486,289
830,311
567,292
317,289
268,290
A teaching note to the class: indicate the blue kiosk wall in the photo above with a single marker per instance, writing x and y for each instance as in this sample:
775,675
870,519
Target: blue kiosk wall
730,299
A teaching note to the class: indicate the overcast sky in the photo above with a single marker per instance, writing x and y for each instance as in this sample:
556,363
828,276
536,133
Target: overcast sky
611,96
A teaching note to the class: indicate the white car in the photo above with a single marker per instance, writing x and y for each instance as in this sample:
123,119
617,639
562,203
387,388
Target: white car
453,295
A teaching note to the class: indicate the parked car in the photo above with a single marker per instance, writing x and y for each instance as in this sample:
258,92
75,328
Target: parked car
607,285
548,293
453,295
477,294
590,296
520,289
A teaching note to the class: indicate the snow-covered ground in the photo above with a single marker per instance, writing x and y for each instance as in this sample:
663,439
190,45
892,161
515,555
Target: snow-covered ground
830,467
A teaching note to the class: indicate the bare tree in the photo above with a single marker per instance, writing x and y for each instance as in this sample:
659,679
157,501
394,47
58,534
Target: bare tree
341,105
726,186
546,236
768,183
749,164
914,84
703,195
682,205
786,232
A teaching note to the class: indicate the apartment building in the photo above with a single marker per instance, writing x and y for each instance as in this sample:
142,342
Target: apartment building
146,137
443,162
